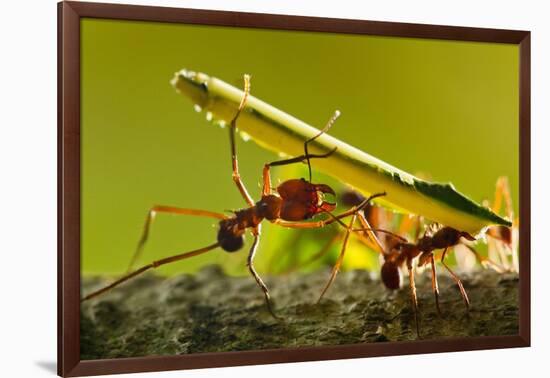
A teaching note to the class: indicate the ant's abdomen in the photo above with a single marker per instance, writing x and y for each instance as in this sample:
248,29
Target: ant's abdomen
391,275
230,235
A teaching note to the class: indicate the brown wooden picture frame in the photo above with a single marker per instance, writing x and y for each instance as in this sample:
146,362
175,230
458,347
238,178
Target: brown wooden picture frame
69,15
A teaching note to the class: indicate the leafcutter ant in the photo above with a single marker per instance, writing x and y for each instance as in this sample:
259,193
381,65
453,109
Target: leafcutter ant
397,251
292,203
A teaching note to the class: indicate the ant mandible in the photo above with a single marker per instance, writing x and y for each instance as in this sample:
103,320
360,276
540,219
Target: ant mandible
293,202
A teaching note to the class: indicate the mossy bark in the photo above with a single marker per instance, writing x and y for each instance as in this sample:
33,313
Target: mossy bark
211,312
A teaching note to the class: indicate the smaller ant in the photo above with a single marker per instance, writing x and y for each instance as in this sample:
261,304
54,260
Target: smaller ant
503,240
404,253
294,201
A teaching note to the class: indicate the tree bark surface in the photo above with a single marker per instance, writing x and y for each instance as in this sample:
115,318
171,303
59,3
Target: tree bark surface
212,312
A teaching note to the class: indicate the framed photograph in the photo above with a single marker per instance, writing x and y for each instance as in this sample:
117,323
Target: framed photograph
240,188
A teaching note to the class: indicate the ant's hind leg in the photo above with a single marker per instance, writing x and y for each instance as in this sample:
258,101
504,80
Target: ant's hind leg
234,163
457,280
374,242
167,210
259,281
153,265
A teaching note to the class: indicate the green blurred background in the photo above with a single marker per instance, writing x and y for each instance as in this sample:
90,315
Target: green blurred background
446,109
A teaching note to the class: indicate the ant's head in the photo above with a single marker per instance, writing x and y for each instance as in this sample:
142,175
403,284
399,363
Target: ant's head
350,197
467,236
302,200
448,237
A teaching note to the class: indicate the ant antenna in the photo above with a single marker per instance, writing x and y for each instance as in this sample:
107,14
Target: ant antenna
246,78
399,237
324,130
359,207
335,218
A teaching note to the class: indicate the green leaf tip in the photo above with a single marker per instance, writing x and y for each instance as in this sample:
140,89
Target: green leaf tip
280,132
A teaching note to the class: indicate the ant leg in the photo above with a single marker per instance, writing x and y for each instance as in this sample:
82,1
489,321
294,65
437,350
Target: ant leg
168,210
338,263
259,281
485,261
502,192
457,280
414,298
234,163
300,159
435,286
152,265
370,234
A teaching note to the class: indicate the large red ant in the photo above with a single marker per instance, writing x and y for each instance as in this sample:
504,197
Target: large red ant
293,202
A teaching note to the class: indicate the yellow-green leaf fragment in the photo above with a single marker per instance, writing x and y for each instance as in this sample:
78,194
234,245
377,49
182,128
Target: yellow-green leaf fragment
280,132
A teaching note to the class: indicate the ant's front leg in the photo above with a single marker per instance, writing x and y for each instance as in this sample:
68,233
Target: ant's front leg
299,159
374,242
234,163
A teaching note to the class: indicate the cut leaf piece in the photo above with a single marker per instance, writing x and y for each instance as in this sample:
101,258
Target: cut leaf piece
280,132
